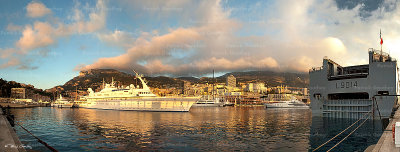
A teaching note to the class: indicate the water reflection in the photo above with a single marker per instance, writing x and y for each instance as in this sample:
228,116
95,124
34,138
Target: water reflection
323,129
201,129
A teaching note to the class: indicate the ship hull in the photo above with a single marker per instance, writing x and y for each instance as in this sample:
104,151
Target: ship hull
142,104
286,106
208,104
69,105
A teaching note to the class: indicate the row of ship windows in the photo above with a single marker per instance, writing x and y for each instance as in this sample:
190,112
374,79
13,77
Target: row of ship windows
119,94
148,103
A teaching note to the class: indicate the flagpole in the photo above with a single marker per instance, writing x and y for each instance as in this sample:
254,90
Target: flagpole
381,42
380,36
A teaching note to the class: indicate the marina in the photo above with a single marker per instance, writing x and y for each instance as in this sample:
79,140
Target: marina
201,129
275,76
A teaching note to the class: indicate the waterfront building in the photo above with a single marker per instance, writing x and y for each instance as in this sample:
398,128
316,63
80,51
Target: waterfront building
186,88
259,87
350,92
18,93
231,81
249,87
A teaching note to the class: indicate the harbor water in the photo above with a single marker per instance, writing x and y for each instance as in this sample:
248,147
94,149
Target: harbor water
201,129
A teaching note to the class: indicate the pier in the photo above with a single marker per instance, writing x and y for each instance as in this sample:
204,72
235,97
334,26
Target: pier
386,142
19,105
9,141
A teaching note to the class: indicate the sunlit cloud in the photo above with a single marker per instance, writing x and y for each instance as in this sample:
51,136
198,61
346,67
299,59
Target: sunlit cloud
37,9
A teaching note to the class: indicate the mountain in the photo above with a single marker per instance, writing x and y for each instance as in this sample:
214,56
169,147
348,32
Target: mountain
270,78
94,78
190,79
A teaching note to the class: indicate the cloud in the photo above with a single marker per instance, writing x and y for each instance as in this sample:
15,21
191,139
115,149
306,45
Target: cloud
212,35
37,9
159,53
296,38
97,19
10,62
42,34
157,47
210,44
117,38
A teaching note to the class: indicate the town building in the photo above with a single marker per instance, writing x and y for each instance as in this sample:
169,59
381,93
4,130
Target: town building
231,81
18,93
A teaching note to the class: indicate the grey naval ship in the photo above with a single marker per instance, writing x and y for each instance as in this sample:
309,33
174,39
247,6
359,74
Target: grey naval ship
134,98
353,91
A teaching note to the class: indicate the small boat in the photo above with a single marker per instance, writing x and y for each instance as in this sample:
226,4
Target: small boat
284,101
216,102
62,103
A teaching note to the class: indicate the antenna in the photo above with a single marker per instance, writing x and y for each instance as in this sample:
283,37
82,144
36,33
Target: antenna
135,73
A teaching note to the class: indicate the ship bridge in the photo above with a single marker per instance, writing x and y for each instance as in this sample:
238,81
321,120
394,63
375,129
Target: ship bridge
348,92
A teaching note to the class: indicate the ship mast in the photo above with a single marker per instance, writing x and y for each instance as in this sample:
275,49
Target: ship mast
103,84
213,86
76,93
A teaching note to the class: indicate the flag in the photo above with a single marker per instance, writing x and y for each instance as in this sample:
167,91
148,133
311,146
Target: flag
381,41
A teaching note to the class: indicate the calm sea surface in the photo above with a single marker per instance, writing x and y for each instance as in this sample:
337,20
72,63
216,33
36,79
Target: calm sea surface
201,129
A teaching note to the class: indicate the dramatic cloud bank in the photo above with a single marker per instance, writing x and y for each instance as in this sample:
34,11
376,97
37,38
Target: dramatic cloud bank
298,41
284,35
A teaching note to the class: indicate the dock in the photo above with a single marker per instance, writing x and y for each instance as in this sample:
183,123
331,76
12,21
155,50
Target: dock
386,142
9,141
17,105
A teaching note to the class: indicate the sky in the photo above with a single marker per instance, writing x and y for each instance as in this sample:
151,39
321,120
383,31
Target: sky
47,42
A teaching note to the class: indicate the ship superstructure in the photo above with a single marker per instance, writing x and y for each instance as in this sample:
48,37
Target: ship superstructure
350,92
134,98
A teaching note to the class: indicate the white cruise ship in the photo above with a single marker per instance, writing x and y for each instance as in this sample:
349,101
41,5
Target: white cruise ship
350,92
284,101
134,98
